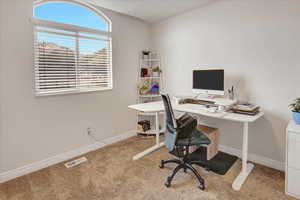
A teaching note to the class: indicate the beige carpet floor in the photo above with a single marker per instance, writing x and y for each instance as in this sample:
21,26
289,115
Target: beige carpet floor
110,174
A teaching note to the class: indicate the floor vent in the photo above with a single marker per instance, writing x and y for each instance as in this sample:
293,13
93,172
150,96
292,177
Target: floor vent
76,162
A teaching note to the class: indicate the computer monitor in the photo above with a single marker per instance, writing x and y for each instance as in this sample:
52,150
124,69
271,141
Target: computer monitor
209,82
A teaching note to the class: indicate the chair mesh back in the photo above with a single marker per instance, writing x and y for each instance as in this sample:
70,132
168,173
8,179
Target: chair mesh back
170,118
171,125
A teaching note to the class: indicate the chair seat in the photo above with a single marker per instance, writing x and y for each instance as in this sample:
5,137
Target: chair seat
197,138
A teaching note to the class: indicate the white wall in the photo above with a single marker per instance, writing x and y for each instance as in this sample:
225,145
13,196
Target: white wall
257,42
35,128
0,78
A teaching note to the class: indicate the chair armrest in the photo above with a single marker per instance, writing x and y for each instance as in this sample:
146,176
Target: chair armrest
186,126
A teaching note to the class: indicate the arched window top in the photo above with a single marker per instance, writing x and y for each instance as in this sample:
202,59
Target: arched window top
71,13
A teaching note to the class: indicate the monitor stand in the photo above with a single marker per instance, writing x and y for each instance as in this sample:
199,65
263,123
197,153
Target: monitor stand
217,99
207,97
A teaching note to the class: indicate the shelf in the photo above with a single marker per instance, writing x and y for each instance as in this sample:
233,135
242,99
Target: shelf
151,77
146,114
149,95
151,60
149,114
150,131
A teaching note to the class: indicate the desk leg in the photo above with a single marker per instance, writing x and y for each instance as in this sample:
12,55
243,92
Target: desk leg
246,167
157,144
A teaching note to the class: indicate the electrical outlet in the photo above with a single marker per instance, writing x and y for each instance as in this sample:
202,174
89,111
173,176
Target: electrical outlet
91,134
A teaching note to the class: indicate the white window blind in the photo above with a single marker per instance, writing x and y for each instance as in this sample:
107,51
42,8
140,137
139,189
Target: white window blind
71,59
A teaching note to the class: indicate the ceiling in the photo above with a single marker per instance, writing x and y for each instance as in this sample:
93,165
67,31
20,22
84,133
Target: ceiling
151,10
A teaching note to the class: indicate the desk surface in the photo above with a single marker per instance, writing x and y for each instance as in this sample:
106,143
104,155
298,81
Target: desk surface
157,106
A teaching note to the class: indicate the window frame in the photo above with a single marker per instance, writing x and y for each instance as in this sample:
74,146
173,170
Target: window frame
76,29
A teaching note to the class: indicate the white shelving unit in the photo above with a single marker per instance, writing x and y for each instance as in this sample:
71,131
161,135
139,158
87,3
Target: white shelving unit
292,164
148,62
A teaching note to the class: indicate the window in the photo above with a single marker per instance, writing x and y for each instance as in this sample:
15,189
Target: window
72,49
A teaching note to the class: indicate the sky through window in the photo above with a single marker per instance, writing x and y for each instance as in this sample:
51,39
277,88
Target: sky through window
74,14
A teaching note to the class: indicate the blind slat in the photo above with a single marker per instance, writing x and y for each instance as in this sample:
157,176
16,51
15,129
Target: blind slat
70,84
70,80
52,73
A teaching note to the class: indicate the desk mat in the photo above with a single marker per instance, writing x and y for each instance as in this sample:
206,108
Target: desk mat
220,164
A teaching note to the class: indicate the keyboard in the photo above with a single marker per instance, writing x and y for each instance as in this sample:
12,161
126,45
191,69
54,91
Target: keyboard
196,101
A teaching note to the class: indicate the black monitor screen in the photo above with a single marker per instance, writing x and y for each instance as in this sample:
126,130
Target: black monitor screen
208,79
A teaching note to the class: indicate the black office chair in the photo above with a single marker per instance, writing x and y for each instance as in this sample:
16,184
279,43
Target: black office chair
180,134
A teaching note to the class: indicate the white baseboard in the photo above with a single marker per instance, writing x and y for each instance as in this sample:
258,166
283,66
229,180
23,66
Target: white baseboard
21,171
6,176
255,158
118,138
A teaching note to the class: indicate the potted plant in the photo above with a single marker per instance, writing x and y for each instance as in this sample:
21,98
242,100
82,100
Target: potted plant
156,71
295,106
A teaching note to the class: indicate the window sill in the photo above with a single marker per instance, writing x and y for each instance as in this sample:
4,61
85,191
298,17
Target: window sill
74,91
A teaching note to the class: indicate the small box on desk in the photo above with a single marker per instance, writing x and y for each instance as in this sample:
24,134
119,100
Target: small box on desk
213,135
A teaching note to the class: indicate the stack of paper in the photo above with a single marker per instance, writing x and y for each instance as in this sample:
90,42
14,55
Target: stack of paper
245,108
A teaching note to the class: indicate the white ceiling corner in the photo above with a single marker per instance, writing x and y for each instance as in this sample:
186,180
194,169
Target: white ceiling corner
151,10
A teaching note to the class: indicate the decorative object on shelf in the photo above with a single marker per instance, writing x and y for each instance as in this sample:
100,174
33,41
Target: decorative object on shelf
295,106
154,89
144,125
144,87
144,72
156,71
146,54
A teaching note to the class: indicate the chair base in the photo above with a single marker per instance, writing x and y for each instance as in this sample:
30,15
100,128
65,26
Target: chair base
185,165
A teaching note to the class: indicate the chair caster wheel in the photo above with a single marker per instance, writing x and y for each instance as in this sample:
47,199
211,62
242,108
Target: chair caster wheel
168,182
162,165
201,187
202,184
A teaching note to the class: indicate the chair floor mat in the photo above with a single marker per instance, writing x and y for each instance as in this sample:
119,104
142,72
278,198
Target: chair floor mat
220,164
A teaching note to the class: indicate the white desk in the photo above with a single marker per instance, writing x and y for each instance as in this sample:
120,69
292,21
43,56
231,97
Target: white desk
156,107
